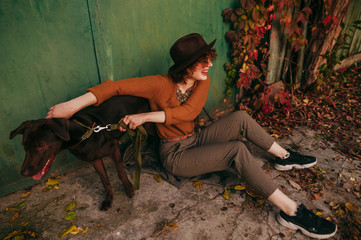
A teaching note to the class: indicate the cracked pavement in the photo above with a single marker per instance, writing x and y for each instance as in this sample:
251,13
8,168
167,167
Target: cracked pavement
161,211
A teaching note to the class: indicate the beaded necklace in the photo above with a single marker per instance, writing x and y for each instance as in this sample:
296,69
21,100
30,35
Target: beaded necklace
182,97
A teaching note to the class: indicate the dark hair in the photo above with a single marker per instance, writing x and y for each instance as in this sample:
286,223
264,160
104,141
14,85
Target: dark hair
179,76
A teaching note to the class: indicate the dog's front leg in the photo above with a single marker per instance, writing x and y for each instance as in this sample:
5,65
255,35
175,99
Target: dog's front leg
99,167
118,161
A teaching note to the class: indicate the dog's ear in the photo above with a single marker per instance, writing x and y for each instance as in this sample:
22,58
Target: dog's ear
60,126
20,129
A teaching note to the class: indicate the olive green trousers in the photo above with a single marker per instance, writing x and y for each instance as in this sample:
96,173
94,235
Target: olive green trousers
217,147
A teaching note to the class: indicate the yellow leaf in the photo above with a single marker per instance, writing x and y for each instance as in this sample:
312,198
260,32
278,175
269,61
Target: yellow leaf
86,230
24,224
225,194
340,212
239,188
197,184
10,235
52,182
252,194
56,186
14,218
157,178
173,226
133,175
19,237
71,216
352,207
319,214
70,206
72,229
24,195
352,179
275,135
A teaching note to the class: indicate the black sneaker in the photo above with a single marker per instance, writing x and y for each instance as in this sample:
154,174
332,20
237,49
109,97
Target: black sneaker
309,223
294,160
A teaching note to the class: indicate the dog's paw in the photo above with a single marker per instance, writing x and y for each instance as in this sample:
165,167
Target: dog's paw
106,204
130,191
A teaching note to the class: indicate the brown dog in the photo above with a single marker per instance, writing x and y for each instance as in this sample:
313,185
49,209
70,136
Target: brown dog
44,138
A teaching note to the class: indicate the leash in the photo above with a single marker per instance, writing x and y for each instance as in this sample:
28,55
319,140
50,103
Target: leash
138,136
209,117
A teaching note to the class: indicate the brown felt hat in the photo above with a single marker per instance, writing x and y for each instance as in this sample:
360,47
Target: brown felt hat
187,50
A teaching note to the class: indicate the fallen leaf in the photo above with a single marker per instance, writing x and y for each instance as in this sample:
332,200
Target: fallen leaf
52,182
157,177
72,230
239,188
295,185
340,212
70,206
24,195
14,218
19,237
319,214
352,207
173,226
24,224
71,216
197,184
225,194
10,235
253,194
85,230
275,135
352,179
21,204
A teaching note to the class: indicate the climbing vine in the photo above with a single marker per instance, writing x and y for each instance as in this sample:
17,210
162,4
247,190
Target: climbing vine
250,39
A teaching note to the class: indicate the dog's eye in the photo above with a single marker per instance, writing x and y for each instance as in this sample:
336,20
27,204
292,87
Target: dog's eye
41,146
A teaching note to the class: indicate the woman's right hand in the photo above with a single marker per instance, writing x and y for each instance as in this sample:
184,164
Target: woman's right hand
61,110
67,109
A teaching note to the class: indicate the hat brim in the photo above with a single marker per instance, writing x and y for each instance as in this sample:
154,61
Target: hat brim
176,68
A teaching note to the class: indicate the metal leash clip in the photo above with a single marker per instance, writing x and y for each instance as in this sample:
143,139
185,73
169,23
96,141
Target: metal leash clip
99,128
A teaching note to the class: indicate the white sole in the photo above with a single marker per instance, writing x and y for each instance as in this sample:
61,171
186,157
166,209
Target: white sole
296,166
304,231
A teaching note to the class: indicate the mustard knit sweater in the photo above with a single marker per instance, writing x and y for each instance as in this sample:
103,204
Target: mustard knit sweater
160,91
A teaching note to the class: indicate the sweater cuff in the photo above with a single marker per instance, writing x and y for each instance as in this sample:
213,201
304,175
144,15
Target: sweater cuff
100,92
168,116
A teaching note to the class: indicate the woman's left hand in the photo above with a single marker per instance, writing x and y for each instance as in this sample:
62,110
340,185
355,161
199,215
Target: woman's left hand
134,120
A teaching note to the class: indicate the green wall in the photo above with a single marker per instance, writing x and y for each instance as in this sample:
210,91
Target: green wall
52,51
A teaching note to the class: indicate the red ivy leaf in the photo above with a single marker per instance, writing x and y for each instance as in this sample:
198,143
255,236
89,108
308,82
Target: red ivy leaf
255,54
270,8
307,10
267,108
227,13
255,15
300,18
233,17
243,3
326,20
230,35
288,21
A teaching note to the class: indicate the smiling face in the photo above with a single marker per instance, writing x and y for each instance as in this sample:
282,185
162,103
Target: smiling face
200,72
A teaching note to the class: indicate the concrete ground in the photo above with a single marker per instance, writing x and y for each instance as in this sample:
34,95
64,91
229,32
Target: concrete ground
161,211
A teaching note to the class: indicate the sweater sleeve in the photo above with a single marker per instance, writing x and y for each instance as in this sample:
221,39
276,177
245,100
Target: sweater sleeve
191,108
144,87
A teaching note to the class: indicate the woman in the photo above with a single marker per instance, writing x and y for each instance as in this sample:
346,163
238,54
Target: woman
176,99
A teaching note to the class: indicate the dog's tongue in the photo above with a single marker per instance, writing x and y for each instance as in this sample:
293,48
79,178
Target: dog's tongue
45,169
